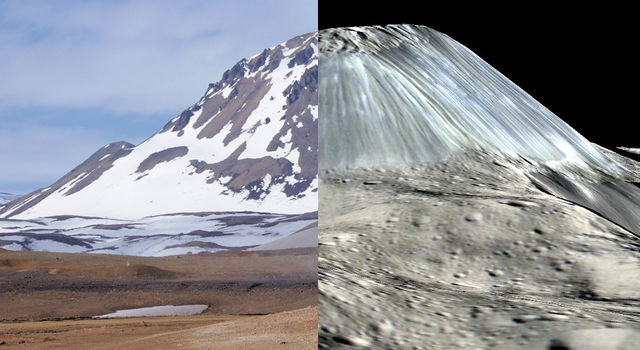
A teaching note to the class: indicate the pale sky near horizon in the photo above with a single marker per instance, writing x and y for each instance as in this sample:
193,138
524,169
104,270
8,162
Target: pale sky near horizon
76,75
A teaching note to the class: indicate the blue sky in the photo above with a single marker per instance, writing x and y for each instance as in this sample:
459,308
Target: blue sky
76,75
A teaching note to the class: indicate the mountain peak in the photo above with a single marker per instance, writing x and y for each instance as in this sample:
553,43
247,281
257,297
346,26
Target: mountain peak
417,95
249,143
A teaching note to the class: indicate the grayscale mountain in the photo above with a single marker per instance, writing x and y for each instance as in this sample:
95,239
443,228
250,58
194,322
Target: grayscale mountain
460,213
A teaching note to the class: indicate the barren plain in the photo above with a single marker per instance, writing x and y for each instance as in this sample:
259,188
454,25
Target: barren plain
256,299
470,254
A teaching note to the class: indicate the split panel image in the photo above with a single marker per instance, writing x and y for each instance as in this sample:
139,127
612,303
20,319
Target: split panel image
262,175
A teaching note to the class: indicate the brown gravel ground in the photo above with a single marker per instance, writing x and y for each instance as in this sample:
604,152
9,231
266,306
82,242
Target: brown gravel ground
295,329
257,300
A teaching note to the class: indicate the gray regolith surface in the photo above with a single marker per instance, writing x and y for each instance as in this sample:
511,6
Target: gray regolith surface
469,254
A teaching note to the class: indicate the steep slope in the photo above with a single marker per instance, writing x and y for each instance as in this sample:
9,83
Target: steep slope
415,94
249,144
458,212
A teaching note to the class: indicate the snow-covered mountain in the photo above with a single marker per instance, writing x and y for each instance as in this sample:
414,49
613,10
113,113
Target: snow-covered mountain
249,144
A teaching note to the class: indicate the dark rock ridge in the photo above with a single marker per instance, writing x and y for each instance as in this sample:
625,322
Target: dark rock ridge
162,156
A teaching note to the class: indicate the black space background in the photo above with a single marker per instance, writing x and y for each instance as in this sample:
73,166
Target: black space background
579,62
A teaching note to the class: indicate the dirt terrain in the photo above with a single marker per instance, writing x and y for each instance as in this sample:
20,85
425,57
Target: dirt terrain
470,255
47,299
293,330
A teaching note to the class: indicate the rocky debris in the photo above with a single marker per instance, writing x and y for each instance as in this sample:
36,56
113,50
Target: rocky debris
495,272
421,220
473,217
597,339
609,276
526,318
